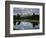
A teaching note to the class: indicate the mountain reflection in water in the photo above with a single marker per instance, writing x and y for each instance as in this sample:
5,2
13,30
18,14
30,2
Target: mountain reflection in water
25,25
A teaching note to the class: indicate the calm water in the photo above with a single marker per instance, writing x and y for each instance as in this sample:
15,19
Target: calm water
25,25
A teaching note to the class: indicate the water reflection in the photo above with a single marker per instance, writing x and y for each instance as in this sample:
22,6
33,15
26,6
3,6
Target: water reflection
25,25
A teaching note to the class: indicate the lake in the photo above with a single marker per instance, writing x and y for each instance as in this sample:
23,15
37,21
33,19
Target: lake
25,26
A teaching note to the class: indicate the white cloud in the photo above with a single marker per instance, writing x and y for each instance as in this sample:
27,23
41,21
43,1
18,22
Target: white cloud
25,11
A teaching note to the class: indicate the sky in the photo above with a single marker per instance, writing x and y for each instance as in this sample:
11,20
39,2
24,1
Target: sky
25,11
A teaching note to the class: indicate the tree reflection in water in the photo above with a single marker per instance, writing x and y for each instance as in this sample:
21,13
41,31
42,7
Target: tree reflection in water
25,25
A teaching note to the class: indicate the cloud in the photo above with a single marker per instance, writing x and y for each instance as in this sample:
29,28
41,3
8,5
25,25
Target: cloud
25,11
